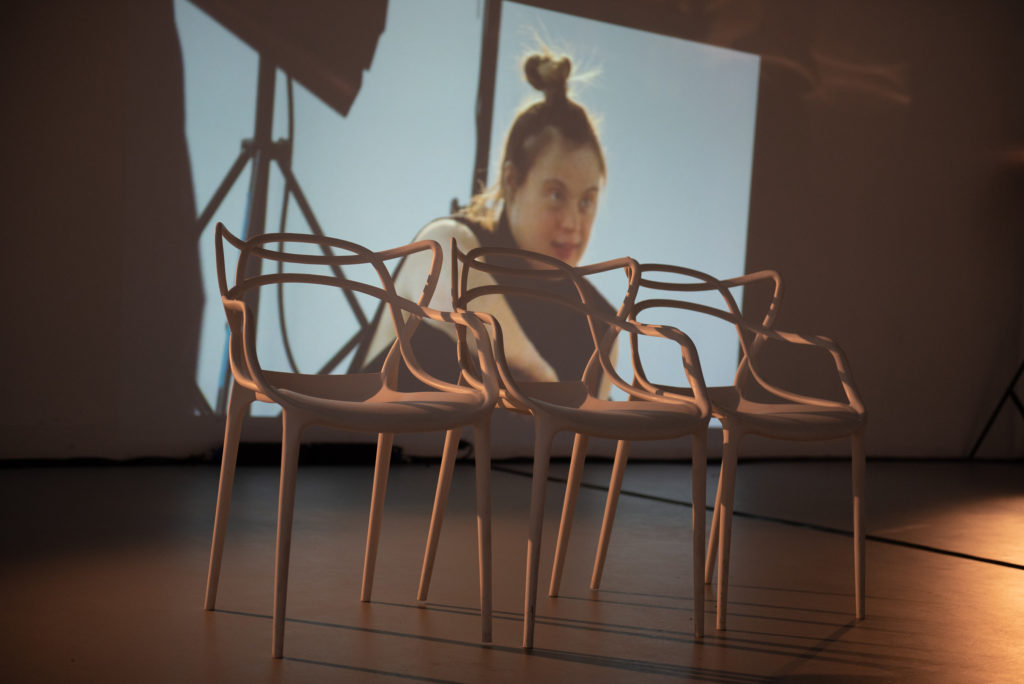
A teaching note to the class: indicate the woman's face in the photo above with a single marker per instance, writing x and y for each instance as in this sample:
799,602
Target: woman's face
552,210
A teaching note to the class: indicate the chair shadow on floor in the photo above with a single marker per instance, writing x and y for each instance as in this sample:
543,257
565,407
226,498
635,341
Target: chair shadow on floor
833,648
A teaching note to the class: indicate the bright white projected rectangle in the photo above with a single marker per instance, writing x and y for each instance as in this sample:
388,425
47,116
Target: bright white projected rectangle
374,177
676,120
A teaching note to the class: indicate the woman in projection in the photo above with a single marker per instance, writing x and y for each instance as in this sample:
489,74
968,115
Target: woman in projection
552,173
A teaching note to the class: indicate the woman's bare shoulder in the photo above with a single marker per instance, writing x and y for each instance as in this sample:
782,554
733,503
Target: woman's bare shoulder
442,230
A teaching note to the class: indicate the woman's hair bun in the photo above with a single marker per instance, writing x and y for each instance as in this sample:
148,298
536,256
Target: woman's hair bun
548,75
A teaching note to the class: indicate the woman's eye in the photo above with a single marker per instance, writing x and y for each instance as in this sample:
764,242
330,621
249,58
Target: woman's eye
555,195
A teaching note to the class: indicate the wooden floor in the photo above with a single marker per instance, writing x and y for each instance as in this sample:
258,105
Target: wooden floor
103,570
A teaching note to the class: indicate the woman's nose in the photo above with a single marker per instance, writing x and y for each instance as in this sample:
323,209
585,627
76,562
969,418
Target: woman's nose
571,221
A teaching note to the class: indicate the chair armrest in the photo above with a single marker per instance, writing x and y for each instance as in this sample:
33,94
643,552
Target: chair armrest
839,360
761,332
496,344
691,363
252,365
488,385
476,323
644,389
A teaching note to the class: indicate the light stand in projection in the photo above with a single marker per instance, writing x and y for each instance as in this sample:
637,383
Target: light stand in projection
261,150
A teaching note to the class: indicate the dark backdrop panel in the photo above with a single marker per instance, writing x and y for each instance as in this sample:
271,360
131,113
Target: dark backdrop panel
100,285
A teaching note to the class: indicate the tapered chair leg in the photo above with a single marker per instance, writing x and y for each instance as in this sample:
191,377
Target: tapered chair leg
380,484
698,487
482,466
541,459
859,565
572,489
238,404
727,486
444,484
712,553
611,504
285,510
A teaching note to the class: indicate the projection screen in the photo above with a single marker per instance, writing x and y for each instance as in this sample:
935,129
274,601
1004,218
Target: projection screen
676,119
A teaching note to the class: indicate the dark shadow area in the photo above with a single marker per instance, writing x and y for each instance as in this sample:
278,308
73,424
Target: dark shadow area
625,664
103,294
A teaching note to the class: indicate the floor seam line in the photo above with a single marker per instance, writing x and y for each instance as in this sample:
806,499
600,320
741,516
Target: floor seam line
783,521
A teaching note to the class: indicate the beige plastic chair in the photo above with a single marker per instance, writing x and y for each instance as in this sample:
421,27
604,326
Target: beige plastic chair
786,415
365,402
574,405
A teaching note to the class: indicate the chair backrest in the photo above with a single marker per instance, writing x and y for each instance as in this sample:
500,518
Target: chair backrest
684,282
326,269
519,273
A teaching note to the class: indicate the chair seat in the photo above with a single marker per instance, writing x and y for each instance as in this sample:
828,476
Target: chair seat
783,419
579,411
360,402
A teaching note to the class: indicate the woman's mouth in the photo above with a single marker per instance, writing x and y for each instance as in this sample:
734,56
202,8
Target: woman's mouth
565,250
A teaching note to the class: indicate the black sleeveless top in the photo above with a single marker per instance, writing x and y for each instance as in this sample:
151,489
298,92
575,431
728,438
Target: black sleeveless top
560,336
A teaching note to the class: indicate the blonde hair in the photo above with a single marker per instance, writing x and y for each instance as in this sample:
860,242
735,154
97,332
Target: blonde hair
535,127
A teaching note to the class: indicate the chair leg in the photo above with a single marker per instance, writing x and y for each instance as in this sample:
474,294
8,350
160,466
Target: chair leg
444,484
727,486
614,487
712,552
380,484
859,566
285,510
238,404
698,485
572,488
482,457
541,457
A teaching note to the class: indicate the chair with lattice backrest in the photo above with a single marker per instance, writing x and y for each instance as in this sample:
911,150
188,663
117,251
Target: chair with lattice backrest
575,405
750,406
363,402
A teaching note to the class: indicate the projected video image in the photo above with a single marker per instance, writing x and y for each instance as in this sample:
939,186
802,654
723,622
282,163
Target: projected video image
674,120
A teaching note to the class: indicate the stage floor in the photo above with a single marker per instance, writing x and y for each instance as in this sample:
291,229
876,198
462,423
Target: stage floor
103,571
